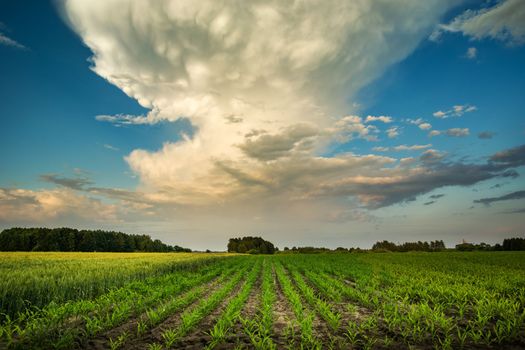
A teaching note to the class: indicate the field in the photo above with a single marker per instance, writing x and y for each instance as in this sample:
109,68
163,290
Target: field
446,300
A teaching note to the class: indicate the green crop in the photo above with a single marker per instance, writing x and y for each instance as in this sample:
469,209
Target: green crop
445,300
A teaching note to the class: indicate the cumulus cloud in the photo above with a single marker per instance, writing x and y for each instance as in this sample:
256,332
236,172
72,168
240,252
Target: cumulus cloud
505,21
380,149
393,132
425,126
249,76
43,205
457,132
431,156
269,90
382,118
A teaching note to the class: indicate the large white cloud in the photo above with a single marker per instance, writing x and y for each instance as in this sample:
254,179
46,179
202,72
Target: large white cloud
266,85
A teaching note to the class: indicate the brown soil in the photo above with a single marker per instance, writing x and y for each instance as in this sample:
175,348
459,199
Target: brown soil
285,322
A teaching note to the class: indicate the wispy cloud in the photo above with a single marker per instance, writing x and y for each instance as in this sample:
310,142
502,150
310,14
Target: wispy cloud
414,121
110,147
455,111
471,53
402,148
486,135
453,132
7,41
457,132
437,196
393,132
505,21
77,183
123,119
509,196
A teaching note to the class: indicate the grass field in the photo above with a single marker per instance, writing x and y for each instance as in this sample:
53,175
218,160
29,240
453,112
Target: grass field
447,300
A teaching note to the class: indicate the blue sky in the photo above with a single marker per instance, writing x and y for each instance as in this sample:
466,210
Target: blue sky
103,126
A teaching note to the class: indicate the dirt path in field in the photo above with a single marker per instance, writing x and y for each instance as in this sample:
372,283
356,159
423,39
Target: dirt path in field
285,325
103,340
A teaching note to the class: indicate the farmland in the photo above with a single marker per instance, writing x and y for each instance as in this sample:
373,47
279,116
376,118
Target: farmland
444,300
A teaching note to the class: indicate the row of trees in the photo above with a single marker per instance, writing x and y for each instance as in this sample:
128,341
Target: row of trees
250,245
71,240
433,246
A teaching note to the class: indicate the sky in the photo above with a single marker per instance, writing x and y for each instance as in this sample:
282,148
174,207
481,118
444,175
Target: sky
309,123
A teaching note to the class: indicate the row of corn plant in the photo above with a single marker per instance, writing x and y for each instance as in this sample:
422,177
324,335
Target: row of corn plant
304,317
190,318
323,308
155,315
259,328
232,313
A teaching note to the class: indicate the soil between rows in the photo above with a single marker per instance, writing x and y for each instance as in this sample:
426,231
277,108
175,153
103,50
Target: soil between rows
103,341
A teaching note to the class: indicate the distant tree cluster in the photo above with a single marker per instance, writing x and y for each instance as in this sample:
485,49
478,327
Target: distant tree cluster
509,244
513,244
72,240
468,247
250,245
433,246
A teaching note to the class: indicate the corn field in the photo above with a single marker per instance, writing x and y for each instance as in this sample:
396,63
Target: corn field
447,300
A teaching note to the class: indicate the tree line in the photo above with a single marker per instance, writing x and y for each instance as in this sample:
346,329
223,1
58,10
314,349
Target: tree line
72,240
509,244
432,246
